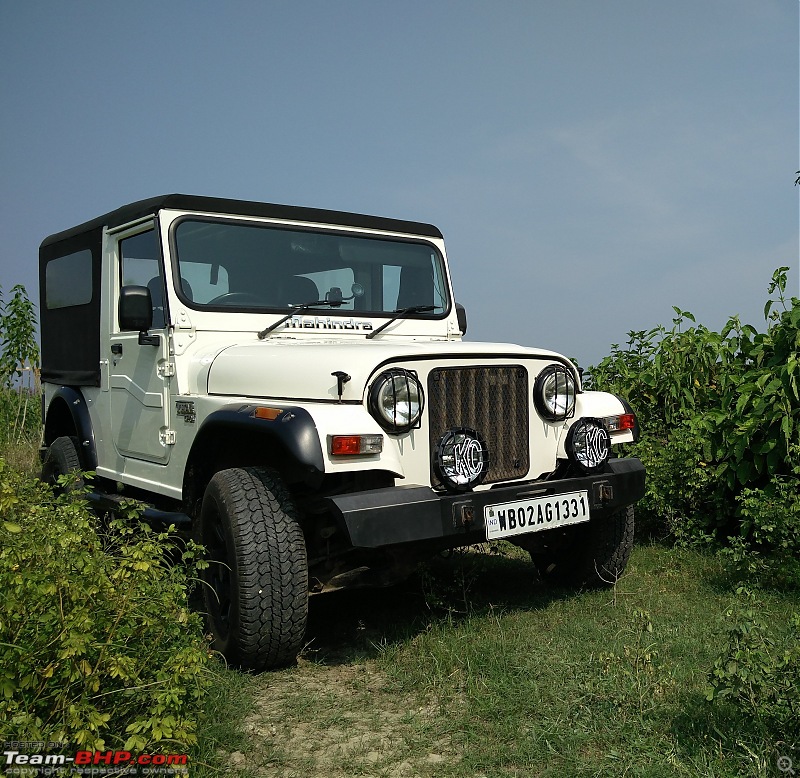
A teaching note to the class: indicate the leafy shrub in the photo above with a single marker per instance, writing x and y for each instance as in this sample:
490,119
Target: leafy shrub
758,420
759,672
96,637
720,413
768,549
689,513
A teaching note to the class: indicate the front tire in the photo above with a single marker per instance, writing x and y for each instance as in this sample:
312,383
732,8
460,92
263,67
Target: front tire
597,555
256,585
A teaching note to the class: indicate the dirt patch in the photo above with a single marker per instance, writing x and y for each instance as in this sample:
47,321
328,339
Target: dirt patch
340,721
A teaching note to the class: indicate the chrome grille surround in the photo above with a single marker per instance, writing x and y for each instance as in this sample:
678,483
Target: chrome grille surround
491,399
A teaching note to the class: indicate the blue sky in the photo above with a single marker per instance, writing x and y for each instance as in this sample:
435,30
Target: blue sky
591,163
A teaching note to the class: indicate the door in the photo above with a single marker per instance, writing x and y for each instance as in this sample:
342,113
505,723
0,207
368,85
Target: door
140,374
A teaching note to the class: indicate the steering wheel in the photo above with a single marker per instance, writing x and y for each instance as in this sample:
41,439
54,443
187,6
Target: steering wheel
231,298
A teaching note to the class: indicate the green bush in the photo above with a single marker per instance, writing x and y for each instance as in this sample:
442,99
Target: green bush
98,646
767,552
682,497
720,416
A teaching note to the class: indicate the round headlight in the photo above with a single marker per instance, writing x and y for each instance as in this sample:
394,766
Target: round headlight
554,393
396,400
588,444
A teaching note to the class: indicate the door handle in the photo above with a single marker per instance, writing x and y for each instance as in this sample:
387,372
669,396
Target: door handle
116,348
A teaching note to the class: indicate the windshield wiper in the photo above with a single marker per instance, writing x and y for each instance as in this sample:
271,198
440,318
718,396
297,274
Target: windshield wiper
295,310
399,314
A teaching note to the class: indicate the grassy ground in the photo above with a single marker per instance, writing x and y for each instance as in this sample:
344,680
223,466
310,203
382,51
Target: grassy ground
474,668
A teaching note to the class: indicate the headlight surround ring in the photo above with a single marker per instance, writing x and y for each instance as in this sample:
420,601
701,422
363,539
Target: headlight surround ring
396,400
588,444
554,393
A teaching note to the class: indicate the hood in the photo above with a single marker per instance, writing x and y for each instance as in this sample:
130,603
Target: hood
302,370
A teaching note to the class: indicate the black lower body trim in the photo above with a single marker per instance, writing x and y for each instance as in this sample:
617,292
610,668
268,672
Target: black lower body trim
111,502
412,514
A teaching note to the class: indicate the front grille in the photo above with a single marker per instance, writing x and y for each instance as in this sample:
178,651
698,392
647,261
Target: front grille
491,400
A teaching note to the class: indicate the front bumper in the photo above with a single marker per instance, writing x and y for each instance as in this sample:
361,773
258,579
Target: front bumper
413,514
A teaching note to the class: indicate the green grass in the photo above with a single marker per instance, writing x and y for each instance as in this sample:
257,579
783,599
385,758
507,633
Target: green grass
20,429
475,668
220,730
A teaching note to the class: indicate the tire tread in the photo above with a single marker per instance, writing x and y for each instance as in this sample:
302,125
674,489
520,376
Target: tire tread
271,568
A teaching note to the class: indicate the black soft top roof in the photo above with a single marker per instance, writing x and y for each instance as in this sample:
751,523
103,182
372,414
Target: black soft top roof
142,208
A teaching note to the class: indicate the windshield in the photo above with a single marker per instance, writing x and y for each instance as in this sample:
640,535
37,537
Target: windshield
248,266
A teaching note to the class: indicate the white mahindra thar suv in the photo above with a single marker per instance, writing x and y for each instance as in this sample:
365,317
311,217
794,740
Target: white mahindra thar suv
292,386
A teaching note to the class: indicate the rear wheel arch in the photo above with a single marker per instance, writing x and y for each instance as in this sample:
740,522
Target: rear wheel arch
67,415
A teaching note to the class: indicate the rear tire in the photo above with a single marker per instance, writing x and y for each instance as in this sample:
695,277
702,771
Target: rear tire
596,557
256,585
62,459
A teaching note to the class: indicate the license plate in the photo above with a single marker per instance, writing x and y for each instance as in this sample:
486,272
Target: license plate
536,514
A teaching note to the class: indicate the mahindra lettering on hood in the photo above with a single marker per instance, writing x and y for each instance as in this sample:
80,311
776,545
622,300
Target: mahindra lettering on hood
292,385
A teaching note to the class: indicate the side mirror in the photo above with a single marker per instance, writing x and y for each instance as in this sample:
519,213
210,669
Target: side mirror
136,313
461,315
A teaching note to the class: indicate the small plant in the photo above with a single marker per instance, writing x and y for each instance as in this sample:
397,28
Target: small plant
19,368
759,672
449,591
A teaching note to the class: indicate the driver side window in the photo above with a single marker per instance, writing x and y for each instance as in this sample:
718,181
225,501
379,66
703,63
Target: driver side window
140,266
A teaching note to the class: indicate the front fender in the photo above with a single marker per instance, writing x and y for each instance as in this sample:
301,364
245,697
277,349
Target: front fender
292,432
600,405
352,419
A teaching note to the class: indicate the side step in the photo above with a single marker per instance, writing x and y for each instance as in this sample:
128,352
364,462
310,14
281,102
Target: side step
111,503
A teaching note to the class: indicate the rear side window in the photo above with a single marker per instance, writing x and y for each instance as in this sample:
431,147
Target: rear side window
68,280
